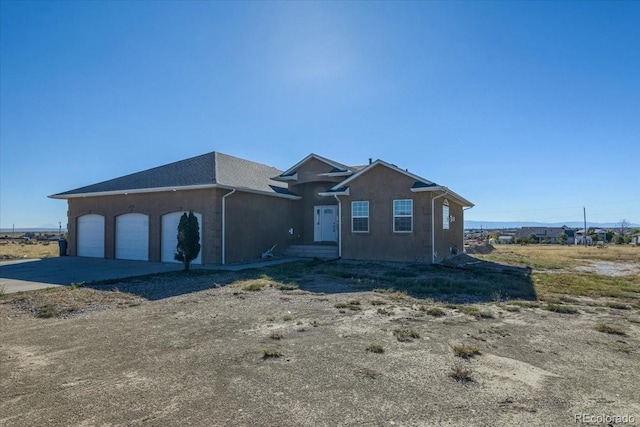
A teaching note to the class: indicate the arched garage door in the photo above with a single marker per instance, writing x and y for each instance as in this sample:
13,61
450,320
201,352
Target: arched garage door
170,236
132,236
91,236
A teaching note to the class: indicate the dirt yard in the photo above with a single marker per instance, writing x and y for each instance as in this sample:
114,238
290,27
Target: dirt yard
313,344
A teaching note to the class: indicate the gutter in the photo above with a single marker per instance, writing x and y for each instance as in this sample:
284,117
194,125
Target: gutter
339,225
223,223
433,224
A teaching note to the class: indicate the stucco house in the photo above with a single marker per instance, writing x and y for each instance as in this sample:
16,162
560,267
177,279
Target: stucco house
372,212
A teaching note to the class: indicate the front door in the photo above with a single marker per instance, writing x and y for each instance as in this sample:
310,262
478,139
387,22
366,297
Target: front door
325,224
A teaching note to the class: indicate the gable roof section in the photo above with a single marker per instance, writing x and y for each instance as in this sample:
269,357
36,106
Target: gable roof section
209,170
337,167
419,185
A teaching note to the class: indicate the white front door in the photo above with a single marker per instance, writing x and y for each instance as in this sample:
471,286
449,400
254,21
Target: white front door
325,224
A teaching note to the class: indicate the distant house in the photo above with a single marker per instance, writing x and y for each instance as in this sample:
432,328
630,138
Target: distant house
601,234
635,239
542,234
582,238
505,239
372,212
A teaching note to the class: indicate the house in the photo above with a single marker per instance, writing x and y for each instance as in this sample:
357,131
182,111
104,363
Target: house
635,239
372,212
542,234
581,238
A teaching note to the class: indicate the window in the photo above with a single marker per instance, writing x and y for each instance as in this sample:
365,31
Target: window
360,217
402,216
445,214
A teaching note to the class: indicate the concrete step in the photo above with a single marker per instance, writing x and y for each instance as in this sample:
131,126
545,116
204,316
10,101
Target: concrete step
312,251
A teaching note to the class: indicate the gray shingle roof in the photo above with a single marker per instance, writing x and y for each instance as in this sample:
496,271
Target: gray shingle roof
207,169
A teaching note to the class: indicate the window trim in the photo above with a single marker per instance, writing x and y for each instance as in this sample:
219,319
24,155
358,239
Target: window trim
446,219
360,216
394,216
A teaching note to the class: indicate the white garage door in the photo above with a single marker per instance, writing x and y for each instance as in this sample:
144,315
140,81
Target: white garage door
170,236
91,236
132,236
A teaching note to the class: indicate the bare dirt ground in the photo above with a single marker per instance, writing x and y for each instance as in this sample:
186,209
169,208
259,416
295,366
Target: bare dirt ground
190,350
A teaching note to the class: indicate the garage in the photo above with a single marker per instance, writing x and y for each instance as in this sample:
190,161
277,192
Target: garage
169,239
91,236
132,237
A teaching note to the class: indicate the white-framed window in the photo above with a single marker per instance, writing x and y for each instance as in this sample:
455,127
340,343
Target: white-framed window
445,214
360,217
403,216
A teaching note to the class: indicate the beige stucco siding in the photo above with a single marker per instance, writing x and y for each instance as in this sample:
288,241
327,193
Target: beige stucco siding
154,205
380,186
254,223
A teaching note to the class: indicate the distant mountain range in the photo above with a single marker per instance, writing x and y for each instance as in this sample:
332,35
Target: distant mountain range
520,224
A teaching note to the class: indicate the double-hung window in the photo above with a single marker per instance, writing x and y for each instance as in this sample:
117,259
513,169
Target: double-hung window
360,217
402,216
445,214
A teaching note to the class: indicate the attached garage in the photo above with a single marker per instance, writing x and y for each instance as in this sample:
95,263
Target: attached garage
91,236
132,236
170,236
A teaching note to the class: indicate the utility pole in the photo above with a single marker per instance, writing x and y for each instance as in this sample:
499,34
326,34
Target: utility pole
584,238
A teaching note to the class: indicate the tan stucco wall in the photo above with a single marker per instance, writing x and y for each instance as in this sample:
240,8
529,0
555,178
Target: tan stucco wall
154,205
308,185
380,186
254,223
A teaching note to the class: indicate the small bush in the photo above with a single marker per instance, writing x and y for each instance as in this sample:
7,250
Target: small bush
385,312
375,348
609,329
287,318
276,336
618,306
351,305
563,309
405,335
512,308
436,312
466,351
270,353
285,287
475,312
461,373
377,302
254,287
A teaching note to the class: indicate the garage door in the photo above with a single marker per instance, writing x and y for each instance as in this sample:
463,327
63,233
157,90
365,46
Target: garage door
91,236
170,236
132,236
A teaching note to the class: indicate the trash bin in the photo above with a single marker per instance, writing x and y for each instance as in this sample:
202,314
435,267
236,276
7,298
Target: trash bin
62,244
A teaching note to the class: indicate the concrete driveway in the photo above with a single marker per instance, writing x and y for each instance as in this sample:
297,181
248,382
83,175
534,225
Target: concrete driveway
26,275
30,274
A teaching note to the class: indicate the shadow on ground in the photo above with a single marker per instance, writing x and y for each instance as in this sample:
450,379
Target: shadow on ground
473,281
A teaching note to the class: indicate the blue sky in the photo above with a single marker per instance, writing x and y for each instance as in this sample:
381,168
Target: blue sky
531,110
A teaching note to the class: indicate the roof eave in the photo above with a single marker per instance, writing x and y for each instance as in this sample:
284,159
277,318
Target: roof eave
465,203
344,192
63,196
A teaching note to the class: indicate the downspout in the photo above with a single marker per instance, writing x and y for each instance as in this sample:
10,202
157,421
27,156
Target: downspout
464,209
339,226
433,225
223,223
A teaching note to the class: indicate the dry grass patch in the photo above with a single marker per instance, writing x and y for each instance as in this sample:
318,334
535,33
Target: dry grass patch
609,329
461,373
271,353
375,348
475,312
66,301
276,336
466,351
20,250
562,309
353,305
406,335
